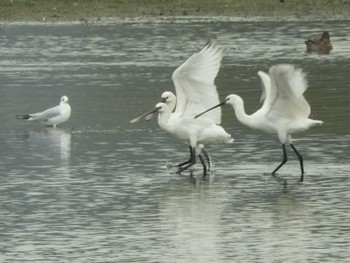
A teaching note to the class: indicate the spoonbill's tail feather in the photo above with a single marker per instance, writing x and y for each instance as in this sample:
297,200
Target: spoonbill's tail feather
316,122
310,123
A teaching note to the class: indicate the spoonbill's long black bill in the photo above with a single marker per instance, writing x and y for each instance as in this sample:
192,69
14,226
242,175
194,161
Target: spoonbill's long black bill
216,106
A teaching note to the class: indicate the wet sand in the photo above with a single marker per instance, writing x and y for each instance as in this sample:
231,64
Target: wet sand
97,10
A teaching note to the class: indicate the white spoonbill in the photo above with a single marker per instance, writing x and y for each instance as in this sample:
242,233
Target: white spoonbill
194,133
52,116
195,91
169,99
285,110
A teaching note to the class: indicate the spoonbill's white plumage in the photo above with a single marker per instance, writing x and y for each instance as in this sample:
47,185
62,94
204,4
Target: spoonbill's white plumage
169,99
285,110
191,132
195,91
52,116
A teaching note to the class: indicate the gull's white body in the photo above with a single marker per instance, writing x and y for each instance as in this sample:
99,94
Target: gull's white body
52,116
285,110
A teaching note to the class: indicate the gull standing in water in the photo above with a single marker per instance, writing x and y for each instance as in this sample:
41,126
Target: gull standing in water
52,116
195,91
285,110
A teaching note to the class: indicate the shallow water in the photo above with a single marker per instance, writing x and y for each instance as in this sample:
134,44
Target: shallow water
99,189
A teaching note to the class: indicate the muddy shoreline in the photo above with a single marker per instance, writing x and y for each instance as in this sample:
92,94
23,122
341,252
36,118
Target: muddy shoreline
167,10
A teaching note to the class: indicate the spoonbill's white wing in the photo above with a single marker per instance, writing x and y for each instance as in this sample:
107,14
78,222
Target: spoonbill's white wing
289,84
194,84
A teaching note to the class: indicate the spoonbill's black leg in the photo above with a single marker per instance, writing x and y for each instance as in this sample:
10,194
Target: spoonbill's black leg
192,161
188,161
207,157
300,161
204,166
285,159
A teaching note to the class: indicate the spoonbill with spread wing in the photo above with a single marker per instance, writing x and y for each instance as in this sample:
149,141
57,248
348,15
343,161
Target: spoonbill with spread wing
195,91
285,110
169,99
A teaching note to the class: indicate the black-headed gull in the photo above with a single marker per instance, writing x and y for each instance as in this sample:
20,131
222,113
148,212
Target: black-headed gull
52,116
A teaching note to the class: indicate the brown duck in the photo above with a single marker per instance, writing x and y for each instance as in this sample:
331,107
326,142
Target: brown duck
321,44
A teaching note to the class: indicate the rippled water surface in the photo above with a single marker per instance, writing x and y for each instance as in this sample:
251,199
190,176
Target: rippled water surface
99,189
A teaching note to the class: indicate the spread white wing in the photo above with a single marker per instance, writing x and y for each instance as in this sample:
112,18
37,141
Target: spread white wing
284,96
194,84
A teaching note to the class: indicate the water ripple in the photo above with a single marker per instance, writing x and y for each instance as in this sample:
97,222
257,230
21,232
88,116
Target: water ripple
102,190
